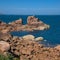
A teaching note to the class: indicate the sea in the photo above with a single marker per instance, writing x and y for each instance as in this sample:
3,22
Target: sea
51,36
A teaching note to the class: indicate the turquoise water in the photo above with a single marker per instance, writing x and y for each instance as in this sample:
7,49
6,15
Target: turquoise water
51,36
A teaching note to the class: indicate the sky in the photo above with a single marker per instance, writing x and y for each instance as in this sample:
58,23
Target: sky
25,7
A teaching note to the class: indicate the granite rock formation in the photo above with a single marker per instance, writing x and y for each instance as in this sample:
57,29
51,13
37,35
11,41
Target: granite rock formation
17,22
28,49
33,23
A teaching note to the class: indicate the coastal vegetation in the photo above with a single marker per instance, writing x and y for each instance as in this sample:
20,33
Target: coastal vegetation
8,57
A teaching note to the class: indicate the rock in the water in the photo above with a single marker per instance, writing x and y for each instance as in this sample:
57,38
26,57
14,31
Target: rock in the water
28,37
39,39
4,46
33,21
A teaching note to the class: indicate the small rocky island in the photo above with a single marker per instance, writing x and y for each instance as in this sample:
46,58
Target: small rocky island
26,47
33,23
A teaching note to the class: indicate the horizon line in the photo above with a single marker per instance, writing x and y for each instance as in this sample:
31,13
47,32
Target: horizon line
30,14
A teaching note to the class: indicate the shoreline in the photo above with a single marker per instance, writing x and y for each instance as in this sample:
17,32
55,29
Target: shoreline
26,47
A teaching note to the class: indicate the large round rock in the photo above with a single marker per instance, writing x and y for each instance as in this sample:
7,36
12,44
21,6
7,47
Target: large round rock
28,37
4,46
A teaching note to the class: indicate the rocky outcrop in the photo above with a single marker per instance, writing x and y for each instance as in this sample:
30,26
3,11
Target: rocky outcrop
33,23
28,49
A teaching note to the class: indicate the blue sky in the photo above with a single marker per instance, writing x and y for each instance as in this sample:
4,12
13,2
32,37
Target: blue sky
42,7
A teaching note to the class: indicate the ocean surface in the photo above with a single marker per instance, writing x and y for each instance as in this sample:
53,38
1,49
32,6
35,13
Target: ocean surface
51,36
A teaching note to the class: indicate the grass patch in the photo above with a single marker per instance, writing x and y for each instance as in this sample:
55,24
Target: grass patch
8,57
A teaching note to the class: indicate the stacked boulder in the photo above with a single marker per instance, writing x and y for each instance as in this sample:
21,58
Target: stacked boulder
33,21
36,24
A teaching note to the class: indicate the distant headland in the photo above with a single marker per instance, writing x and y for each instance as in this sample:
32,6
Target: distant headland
33,23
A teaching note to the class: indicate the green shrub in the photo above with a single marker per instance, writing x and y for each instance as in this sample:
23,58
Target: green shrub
2,57
8,57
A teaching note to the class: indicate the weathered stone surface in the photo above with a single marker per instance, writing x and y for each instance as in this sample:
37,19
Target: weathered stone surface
36,24
15,45
39,39
5,37
5,31
17,22
31,19
34,51
58,47
3,26
28,37
31,50
4,46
